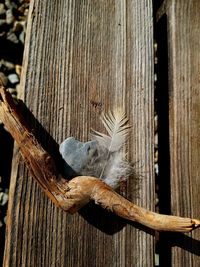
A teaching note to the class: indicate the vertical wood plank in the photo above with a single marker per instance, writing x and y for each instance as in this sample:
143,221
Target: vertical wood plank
184,112
82,57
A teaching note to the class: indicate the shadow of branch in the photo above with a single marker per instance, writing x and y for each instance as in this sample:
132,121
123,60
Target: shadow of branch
183,241
103,220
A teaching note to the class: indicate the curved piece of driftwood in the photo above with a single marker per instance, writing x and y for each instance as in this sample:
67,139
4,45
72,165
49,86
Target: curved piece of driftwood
74,194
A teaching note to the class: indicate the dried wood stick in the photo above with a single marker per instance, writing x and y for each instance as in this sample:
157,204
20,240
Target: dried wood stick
74,194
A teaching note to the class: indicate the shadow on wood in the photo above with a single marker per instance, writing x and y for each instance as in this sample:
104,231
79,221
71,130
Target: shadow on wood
46,140
183,241
103,220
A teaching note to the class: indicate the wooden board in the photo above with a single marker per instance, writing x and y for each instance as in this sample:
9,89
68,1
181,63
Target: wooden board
183,27
82,57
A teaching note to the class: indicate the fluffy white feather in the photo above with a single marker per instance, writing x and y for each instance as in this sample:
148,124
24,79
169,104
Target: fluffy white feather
117,170
117,128
109,163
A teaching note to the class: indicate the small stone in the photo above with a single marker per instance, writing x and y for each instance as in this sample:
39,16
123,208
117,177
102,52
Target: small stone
9,17
157,262
26,12
11,36
18,70
156,140
3,78
71,149
156,156
2,9
156,201
3,198
156,168
18,26
22,37
2,34
10,4
4,219
1,224
12,91
9,65
13,78
156,123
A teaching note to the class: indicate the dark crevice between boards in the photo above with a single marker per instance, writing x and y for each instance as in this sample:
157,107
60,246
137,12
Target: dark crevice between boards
156,5
162,246
6,152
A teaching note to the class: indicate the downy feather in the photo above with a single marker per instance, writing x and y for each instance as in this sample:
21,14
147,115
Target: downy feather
109,163
117,128
118,169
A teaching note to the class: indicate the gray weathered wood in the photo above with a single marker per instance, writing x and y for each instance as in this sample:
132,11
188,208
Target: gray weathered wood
184,114
81,57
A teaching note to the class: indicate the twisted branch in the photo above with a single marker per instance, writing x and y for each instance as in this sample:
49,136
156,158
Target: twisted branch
74,194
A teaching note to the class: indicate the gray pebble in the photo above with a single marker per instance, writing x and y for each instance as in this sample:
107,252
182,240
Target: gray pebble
18,26
3,198
18,70
156,123
12,91
2,9
157,262
13,78
156,168
77,154
9,17
11,36
22,37
10,4
156,140
26,12
9,65
156,156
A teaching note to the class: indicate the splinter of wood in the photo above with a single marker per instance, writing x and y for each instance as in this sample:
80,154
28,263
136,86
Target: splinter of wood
74,194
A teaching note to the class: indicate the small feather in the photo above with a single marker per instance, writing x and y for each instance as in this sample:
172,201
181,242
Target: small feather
111,165
117,128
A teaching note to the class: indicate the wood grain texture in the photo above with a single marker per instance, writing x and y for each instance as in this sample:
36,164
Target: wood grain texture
184,108
82,57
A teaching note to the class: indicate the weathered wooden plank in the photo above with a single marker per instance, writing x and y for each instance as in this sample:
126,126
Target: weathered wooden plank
81,57
184,122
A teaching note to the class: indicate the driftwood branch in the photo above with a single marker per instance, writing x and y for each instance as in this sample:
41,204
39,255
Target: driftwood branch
74,194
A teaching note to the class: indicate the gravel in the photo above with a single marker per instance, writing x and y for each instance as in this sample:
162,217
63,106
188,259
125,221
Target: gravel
13,78
13,16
